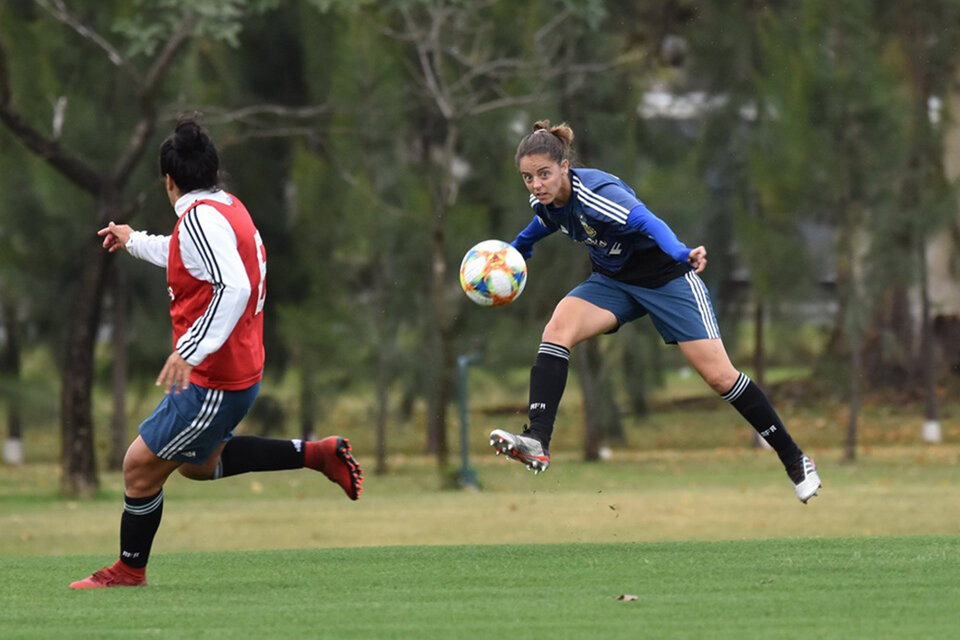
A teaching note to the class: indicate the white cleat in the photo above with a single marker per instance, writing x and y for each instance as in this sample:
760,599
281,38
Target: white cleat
523,448
806,480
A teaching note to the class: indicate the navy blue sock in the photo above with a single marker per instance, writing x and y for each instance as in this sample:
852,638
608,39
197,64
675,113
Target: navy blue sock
548,377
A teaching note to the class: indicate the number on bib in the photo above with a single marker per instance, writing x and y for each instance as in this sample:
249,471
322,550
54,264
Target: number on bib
262,260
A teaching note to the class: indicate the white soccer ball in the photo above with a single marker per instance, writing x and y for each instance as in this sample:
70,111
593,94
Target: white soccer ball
493,273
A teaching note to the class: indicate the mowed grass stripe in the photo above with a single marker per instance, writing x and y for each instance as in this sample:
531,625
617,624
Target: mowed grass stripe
662,496
787,588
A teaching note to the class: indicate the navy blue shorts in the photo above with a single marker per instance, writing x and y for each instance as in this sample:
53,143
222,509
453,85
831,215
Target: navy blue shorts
680,309
190,425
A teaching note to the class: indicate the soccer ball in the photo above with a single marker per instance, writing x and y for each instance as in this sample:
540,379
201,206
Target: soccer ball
493,273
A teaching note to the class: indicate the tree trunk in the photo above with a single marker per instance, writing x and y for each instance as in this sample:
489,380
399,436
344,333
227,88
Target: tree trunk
850,446
943,269
10,369
849,281
636,370
78,455
308,404
383,386
438,392
383,334
601,415
588,388
931,425
444,194
118,426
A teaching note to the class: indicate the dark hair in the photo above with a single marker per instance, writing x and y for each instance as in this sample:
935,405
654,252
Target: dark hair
555,142
189,156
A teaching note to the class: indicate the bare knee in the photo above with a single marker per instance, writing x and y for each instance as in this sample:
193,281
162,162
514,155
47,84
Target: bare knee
721,380
143,472
137,482
558,332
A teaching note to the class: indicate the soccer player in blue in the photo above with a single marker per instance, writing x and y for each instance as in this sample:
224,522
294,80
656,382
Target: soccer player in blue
639,268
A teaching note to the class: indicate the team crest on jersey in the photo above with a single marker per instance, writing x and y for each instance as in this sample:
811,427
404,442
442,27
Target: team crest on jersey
590,230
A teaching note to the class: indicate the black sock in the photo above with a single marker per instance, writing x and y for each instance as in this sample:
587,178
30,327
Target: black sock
243,454
138,525
752,403
548,377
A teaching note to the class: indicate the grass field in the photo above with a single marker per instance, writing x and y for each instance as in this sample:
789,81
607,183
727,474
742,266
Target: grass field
712,542
701,528
815,588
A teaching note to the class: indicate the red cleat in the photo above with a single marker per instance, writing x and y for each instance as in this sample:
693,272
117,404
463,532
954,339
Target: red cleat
332,456
119,575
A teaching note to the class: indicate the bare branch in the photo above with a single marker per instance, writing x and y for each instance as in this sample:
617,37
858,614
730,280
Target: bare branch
428,54
148,118
5,94
354,182
138,202
161,66
69,165
58,10
554,23
59,115
500,103
235,139
252,114
491,69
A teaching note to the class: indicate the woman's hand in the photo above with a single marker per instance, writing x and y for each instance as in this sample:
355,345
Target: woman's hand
175,375
115,236
698,259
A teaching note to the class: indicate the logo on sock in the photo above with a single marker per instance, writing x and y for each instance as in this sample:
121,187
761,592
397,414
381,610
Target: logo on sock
538,406
769,431
297,444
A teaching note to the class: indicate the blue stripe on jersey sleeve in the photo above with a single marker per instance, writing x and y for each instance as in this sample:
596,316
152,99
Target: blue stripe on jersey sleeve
641,219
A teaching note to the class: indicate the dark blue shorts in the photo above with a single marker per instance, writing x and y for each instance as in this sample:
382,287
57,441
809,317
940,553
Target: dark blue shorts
680,309
190,425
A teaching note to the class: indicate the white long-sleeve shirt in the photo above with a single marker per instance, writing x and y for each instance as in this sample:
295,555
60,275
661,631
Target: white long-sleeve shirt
215,245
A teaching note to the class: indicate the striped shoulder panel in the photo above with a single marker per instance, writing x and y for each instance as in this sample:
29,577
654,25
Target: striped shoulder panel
604,206
533,201
202,325
191,224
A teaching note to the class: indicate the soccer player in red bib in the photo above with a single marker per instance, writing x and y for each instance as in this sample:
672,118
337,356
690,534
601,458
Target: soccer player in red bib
216,276
640,268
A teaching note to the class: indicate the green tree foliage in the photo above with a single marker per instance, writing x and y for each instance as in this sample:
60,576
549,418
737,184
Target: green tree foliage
116,88
373,142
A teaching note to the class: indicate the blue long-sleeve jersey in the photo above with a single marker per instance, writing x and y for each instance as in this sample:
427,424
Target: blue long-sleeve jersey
625,240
